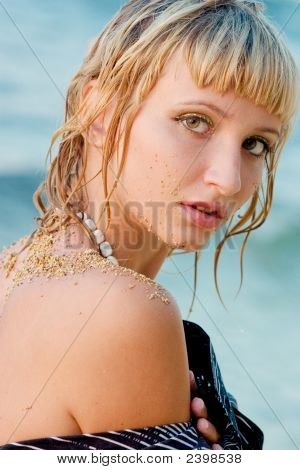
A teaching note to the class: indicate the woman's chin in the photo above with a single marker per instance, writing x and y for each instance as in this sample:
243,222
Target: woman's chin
188,245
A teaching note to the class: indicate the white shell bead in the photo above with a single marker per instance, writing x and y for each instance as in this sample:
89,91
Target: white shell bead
99,236
113,259
90,224
104,246
106,249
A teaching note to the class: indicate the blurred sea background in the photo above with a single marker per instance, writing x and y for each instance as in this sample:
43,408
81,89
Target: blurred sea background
257,342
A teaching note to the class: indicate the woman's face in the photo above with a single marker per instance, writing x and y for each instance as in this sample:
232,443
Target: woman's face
189,144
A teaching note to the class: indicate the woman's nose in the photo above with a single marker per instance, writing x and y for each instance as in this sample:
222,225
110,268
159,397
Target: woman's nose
223,170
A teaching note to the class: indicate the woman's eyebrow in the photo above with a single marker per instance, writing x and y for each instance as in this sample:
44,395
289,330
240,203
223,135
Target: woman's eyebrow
209,105
268,129
223,113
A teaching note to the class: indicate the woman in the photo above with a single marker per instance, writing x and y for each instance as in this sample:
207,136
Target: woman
170,123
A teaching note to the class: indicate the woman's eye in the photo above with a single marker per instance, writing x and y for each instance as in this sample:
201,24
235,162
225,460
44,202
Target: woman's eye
193,122
257,146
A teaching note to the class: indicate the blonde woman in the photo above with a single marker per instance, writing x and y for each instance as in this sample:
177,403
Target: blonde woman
175,120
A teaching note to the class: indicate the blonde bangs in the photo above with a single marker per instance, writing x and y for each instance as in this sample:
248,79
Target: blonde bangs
234,51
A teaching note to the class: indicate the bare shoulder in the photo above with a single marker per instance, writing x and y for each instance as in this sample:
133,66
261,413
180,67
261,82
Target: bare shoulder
115,298
128,366
112,339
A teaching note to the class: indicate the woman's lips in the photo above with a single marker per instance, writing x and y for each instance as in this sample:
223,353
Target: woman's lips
201,219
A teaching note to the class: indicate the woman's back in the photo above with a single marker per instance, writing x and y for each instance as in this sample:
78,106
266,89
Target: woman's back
96,350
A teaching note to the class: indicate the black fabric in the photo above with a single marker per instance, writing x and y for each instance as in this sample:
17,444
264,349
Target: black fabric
237,431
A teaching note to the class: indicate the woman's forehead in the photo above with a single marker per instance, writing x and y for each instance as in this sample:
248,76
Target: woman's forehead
177,88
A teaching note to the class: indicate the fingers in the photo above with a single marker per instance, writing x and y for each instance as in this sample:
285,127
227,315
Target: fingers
208,430
193,381
198,408
204,426
217,447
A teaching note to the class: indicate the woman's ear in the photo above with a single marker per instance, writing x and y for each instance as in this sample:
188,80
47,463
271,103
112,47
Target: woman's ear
95,133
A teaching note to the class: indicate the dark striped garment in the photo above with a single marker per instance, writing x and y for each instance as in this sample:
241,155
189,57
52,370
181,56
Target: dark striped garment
168,436
236,430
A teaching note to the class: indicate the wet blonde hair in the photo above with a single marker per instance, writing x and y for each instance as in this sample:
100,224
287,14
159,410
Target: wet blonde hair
227,45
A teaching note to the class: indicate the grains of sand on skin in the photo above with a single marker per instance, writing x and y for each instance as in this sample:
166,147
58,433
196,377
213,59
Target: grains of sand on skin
41,261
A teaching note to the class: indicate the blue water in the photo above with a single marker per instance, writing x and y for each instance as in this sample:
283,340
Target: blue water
257,343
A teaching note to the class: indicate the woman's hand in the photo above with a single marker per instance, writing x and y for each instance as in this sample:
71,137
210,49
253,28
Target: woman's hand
204,426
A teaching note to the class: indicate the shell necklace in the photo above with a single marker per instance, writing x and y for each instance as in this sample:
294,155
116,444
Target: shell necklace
105,248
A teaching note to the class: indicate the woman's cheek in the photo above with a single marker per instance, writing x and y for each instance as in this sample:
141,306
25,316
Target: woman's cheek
251,179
